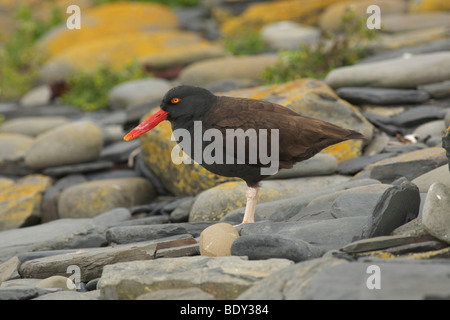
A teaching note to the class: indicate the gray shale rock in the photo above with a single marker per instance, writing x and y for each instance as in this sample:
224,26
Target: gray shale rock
394,73
323,234
129,234
282,210
397,206
425,181
60,234
23,292
92,261
382,96
223,277
409,165
258,247
330,278
437,90
177,294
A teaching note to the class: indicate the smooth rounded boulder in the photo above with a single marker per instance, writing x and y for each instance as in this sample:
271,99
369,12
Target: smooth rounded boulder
76,142
435,216
400,73
86,200
32,126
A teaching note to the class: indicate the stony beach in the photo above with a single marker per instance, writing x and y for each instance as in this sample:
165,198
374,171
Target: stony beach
85,215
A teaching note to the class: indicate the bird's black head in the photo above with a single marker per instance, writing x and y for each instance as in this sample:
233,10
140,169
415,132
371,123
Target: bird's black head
181,106
187,103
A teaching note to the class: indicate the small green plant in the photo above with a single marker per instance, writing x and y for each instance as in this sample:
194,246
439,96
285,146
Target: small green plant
247,41
89,90
30,28
19,59
331,51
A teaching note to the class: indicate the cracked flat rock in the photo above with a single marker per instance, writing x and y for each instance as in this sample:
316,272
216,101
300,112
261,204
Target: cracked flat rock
90,262
223,277
130,234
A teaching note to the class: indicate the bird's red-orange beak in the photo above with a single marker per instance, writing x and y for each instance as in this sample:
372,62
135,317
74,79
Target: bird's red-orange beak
147,125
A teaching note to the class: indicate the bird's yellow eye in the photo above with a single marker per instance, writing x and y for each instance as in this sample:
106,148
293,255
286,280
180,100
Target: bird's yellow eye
175,100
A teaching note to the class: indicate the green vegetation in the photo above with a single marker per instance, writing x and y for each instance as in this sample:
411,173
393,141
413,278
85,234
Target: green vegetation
19,59
88,90
247,41
332,51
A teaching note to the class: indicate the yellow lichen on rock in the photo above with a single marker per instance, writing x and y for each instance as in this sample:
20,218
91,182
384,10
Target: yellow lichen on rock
433,254
428,5
258,14
157,49
20,202
380,254
5,182
345,150
111,19
86,200
220,200
333,16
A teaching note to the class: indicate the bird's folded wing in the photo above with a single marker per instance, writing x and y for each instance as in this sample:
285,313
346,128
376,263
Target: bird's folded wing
299,137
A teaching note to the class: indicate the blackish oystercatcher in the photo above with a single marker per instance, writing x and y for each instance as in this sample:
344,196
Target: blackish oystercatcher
297,137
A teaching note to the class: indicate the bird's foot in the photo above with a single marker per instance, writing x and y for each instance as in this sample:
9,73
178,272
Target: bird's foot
243,222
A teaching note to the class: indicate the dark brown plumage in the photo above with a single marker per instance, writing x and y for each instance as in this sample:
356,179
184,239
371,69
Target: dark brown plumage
301,137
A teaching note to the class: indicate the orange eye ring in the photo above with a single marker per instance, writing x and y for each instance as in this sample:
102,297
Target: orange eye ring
175,100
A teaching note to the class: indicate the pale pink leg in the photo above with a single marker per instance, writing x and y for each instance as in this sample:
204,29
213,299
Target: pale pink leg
252,198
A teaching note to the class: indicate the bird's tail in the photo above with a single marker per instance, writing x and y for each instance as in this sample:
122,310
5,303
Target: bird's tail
355,135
